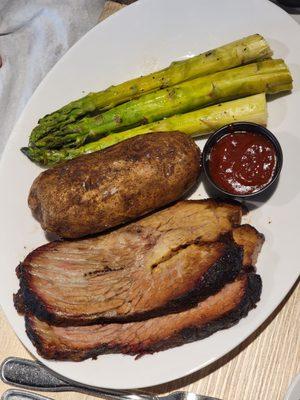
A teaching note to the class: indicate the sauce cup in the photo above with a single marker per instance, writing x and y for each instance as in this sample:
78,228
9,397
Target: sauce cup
244,128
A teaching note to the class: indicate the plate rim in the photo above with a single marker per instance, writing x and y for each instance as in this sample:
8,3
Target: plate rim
6,151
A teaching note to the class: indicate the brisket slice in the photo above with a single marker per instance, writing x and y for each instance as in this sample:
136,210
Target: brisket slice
193,272
69,298
102,268
219,311
145,242
251,240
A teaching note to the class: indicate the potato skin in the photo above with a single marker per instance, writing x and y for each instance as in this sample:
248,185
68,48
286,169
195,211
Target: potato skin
101,190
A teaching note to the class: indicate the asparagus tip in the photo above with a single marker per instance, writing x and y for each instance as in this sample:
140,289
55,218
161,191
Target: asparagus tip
25,150
28,153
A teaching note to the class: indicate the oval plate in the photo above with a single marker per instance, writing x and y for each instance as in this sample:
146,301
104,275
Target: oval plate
139,39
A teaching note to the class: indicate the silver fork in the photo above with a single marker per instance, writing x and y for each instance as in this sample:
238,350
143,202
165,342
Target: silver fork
33,375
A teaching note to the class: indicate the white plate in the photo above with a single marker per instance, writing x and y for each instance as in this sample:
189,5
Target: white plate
293,392
141,38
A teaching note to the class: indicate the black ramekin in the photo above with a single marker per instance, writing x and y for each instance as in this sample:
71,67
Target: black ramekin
241,127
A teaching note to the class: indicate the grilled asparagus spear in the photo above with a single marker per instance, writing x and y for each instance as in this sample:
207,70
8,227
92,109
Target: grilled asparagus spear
196,123
246,50
268,76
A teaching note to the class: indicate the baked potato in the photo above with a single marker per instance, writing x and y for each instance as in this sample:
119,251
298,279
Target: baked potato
107,188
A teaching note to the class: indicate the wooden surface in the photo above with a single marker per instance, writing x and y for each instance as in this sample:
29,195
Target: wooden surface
261,368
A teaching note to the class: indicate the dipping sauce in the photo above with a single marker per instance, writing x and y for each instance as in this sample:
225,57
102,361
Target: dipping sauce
242,162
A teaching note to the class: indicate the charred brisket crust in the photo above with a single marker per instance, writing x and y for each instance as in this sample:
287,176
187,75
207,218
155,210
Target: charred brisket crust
191,334
224,270
19,302
248,302
228,238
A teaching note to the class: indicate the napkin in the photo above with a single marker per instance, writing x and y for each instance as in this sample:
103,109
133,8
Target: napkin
34,34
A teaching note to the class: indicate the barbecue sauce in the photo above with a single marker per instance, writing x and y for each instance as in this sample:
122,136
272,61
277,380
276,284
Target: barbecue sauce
242,162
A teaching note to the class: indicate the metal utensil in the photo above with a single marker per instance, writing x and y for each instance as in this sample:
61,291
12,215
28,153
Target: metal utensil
17,394
33,375
14,394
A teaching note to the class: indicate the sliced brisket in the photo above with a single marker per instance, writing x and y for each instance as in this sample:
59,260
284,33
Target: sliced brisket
251,240
219,311
77,298
133,270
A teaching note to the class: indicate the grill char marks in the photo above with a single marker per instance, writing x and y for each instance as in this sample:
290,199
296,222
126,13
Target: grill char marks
219,311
